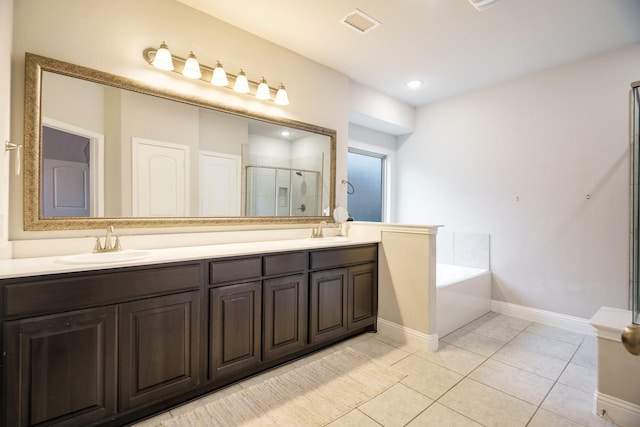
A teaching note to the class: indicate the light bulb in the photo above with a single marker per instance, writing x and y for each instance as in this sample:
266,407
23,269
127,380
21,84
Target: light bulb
192,67
263,90
242,84
219,75
163,59
281,96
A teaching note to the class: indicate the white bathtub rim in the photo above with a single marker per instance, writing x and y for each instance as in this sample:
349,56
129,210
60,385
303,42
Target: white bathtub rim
465,273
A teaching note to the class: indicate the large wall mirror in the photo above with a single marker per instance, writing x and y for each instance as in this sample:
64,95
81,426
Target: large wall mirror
102,149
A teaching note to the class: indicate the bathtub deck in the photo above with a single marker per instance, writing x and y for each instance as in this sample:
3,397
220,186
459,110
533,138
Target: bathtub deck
462,301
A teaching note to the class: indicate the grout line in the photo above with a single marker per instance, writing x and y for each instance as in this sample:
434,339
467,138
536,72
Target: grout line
539,405
467,376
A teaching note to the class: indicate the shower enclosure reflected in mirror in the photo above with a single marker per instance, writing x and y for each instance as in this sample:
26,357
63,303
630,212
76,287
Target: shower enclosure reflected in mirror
275,191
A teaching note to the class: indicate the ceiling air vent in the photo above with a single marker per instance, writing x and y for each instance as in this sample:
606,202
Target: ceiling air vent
483,4
360,22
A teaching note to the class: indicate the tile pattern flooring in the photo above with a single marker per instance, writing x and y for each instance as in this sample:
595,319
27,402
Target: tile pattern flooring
495,371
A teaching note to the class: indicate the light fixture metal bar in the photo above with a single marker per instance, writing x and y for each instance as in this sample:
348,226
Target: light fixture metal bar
207,72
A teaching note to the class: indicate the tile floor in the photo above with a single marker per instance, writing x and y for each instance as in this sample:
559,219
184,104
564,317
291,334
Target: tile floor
495,371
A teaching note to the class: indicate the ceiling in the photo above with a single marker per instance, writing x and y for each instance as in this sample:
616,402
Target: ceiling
448,44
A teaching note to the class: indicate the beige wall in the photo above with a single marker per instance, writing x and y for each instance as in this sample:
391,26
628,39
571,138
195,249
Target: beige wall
407,284
541,164
6,27
110,35
618,371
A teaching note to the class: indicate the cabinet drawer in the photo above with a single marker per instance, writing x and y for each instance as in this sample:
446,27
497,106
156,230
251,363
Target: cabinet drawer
281,264
235,270
97,288
344,256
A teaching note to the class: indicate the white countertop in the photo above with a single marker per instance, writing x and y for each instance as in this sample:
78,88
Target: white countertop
24,267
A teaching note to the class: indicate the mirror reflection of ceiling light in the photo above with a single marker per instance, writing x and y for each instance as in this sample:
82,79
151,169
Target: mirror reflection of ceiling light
163,59
414,84
285,133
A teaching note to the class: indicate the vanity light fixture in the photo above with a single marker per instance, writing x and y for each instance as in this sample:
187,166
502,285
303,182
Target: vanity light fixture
219,77
163,59
281,96
263,91
191,68
242,83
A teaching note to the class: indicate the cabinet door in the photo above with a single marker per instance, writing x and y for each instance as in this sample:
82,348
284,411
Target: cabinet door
159,348
235,332
363,295
61,368
285,314
328,304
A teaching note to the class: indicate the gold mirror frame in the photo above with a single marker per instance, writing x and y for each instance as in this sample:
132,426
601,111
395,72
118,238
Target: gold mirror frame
33,219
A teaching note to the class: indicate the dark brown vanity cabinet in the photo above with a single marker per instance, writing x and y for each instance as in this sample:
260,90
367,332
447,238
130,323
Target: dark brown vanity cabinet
235,328
61,368
328,305
285,316
111,346
159,344
235,316
362,295
252,321
84,348
343,291
285,304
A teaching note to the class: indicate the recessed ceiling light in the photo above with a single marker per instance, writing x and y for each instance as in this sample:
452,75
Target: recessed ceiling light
285,133
414,84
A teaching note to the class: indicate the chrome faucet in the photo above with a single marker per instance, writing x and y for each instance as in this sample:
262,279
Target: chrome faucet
316,232
108,245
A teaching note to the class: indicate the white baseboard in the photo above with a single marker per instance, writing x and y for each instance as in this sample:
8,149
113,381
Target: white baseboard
620,412
572,323
430,342
410,336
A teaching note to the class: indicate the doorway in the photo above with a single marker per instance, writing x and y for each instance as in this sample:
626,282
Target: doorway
73,172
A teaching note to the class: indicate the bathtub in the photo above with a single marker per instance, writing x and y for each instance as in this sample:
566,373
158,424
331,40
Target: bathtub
462,295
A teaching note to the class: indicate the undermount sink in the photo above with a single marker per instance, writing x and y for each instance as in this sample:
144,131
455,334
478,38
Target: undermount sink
332,239
105,257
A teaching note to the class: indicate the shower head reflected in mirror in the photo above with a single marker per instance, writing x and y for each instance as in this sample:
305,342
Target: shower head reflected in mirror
303,184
